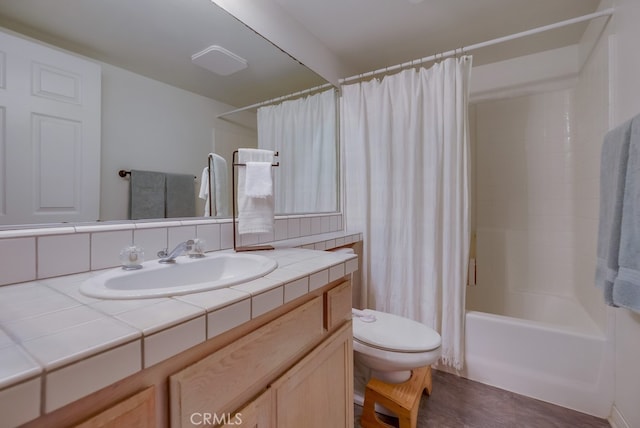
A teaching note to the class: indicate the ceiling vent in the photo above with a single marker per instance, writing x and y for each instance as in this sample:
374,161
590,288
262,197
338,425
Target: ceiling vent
219,60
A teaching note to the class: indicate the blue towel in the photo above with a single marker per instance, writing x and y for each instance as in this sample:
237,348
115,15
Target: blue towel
613,170
626,287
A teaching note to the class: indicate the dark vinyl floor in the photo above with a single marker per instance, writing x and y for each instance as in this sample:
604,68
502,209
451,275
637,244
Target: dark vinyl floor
461,403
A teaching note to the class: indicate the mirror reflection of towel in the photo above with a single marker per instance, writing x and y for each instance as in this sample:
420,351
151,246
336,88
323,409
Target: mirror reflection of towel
180,196
146,195
219,188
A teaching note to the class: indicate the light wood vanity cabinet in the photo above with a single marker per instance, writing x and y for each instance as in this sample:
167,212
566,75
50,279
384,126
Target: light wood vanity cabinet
303,369
137,411
318,391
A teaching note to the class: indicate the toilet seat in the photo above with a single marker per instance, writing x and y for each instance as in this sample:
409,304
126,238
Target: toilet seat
394,333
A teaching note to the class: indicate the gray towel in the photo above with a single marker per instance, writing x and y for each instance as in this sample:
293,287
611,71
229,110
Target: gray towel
613,169
180,196
146,195
626,288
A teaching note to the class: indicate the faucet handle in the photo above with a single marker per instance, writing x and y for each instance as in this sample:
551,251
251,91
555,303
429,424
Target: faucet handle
196,248
163,253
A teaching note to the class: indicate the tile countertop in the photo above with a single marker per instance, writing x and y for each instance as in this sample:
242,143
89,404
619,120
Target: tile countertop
52,336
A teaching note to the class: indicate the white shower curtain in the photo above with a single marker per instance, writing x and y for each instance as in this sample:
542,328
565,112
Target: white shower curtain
406,163
303,131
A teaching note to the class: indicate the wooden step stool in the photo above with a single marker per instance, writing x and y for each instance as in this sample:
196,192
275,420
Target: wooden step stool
403,399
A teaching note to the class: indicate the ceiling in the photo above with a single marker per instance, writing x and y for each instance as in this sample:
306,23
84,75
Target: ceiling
371,34
156,38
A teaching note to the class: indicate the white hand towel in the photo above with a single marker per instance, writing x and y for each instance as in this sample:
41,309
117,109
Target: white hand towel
218,191
255,215
258,182
204,190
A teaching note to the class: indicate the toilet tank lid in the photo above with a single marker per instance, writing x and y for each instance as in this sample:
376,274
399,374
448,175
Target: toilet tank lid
394,333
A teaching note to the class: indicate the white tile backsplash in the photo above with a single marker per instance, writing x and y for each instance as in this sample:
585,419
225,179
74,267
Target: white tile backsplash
151,241
180,234
226,236
281,229
211,235
63,254
106,247
293,228
305,226
316,225
56,251
17,263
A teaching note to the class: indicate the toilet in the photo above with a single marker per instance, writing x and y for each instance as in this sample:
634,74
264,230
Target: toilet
388,347
391,346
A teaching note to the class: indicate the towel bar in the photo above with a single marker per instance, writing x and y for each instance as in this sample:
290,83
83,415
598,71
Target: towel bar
233,205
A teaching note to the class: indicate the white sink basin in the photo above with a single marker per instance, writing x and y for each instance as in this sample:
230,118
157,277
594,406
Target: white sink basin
182,277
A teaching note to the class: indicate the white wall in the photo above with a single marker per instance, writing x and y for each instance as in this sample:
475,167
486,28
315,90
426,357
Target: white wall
150,125
626,104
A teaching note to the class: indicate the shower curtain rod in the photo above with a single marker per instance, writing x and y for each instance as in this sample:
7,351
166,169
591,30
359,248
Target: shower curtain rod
275,100
463,50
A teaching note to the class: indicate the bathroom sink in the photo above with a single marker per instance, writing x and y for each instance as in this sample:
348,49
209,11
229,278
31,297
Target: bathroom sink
182,277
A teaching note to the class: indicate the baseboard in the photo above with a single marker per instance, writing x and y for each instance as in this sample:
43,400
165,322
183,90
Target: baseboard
616,420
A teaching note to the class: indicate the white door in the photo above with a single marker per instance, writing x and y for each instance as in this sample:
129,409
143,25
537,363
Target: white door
49,134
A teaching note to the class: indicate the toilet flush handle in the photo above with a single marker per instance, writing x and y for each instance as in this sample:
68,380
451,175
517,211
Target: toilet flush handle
363,316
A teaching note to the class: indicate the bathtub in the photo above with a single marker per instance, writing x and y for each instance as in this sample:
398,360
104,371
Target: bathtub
545,347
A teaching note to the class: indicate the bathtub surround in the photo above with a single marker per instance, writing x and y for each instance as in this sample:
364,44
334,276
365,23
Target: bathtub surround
536,323
406,154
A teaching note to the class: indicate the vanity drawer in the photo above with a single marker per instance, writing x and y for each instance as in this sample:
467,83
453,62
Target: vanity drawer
338,305
224,380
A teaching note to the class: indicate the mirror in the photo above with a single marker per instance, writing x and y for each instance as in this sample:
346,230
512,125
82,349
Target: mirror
158,109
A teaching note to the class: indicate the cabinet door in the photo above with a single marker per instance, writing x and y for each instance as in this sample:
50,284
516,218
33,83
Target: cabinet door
257,414
318,391
137,411
229,377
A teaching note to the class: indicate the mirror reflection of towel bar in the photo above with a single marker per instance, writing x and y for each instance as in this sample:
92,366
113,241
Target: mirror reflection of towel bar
233,206
123,173
275,154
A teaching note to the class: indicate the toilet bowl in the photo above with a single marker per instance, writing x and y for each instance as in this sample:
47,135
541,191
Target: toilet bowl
391,346
388,347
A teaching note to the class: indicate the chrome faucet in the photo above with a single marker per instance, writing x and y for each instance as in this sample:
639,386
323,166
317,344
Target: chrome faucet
180,249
